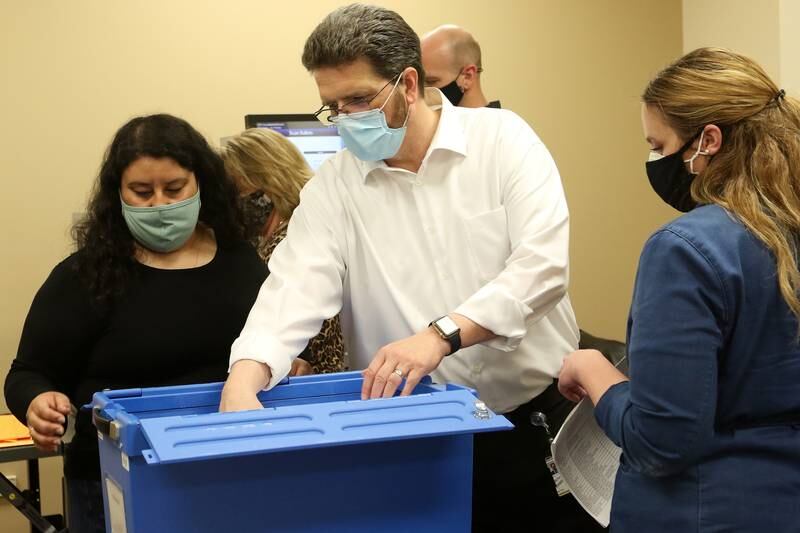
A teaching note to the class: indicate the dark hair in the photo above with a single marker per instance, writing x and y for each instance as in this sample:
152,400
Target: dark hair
360,31
106,247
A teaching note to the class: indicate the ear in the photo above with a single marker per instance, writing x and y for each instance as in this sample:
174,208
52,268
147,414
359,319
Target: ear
470,76
712,139
411,81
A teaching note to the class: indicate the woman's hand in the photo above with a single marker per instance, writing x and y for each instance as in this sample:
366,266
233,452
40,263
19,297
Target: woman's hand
46,416
587,373
301,367
569,381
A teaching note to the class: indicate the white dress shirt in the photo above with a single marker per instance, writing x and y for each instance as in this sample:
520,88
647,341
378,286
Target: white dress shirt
482,230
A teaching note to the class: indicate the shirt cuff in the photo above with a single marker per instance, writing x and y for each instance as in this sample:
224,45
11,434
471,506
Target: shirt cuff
610,410
500,313
264,350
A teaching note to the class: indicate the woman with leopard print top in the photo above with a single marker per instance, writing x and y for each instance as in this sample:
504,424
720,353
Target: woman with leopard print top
269,172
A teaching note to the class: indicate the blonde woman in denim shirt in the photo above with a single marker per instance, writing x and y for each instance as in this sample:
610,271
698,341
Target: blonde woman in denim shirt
709,423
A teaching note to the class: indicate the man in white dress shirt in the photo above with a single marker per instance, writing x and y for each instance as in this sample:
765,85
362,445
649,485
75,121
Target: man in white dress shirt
442,235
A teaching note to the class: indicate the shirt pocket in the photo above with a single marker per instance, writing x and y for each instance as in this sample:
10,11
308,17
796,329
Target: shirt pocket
487,236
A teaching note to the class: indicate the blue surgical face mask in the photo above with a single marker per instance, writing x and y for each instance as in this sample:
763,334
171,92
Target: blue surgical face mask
367,134
163,228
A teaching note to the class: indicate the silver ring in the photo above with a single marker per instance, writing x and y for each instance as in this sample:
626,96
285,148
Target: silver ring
398,372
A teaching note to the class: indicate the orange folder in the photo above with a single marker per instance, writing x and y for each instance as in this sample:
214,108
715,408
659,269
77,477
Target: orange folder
12,433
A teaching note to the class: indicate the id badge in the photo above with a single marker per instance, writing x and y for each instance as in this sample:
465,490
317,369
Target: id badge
561,485
539,419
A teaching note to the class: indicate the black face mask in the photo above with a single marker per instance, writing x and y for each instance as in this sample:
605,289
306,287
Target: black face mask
453,92
671,180
256,209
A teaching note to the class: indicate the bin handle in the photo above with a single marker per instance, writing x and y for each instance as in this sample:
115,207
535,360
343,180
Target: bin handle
104,425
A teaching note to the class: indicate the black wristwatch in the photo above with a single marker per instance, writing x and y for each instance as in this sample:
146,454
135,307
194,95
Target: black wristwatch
447,329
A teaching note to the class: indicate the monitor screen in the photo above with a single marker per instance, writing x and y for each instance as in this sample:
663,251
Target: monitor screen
316,141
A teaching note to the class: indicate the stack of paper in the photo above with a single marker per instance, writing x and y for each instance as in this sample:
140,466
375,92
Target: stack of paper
587,461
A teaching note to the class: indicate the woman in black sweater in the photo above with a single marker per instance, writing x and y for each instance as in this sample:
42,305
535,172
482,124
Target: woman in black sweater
158,289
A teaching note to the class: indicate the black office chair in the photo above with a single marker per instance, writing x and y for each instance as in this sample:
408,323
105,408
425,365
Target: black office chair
614,351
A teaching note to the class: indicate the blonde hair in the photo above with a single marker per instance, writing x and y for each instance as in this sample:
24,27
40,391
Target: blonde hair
756,173
265,160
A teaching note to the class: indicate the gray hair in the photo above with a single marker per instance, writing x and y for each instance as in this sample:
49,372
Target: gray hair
360,31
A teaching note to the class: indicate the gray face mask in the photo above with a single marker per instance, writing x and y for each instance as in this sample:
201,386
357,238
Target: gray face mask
163,228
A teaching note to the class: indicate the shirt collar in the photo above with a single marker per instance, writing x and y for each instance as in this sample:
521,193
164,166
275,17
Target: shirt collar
449,133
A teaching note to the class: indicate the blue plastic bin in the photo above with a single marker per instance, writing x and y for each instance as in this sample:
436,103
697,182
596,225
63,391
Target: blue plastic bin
317,458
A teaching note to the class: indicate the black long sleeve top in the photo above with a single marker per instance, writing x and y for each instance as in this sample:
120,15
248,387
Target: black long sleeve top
171,327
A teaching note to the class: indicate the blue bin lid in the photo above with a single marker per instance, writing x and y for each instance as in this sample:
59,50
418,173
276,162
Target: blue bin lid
294,427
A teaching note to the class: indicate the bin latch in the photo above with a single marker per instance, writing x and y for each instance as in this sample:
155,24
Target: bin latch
481,412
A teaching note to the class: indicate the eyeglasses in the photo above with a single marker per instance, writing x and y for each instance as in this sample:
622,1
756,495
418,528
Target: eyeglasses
356,105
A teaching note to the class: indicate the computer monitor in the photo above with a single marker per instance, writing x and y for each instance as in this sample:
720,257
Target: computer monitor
316,141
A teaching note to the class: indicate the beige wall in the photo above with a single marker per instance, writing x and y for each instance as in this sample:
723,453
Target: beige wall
746,26
767,30
73,72
790,46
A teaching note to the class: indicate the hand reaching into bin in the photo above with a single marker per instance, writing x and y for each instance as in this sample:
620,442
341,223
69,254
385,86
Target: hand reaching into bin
247,378
411,359
415,357
46,416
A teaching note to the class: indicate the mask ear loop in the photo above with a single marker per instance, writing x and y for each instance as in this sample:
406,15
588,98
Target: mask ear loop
392,92
460,88
408,107
408,114
699,152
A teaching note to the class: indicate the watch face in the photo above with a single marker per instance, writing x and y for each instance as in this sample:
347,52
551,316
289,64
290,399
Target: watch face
447,326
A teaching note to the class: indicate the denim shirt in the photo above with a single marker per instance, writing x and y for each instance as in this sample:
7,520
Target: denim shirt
709,424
